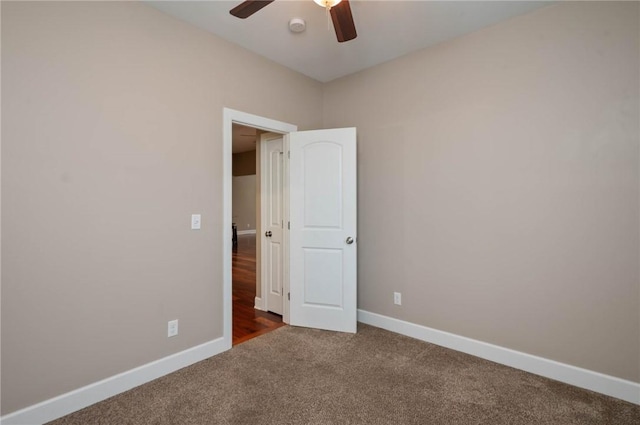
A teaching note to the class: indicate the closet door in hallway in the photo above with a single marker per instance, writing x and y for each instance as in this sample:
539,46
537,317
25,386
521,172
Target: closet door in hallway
272,201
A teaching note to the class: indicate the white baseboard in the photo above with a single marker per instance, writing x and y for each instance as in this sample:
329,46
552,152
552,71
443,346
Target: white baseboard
78,399
246,232
258,304
72,401
583,378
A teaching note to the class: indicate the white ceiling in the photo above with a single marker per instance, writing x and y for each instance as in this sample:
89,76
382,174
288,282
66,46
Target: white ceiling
386,29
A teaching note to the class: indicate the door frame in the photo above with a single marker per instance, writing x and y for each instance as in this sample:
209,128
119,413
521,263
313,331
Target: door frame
229,117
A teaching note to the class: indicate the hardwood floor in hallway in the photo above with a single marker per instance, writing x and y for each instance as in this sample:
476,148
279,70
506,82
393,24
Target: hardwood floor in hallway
247,321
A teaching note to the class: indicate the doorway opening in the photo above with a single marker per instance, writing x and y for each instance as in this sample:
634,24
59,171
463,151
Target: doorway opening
312,234
244,257
249,321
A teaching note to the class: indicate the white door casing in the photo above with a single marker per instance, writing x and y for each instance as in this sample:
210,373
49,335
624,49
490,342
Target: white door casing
230,116
322,248
272,206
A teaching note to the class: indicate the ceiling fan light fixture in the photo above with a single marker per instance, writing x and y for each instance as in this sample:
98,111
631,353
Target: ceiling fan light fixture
327,4
338,11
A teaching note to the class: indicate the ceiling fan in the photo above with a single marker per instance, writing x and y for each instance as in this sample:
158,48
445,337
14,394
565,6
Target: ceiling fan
339,9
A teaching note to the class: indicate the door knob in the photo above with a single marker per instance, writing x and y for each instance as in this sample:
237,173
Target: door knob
349,240
268,234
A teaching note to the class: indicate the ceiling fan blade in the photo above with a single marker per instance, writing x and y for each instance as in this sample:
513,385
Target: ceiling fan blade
248,8
343,21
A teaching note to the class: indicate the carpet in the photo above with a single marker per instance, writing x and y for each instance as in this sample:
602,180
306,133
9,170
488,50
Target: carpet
306,376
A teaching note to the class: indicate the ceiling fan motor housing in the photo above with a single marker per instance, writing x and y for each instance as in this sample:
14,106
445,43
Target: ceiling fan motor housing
339,10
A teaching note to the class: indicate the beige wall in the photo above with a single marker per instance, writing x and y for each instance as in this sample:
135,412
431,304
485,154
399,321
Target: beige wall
498,185
244,163
111,139
244,190
244,202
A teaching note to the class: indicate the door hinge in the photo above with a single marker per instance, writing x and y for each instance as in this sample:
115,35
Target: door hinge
289,225
288,296
282,223
289,154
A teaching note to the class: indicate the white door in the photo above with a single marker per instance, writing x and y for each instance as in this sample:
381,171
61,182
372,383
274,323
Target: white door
323,272
273,221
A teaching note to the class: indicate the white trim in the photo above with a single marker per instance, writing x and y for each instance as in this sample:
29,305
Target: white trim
247,232
230,116
80,398
258,304
227,242
286,233
583,378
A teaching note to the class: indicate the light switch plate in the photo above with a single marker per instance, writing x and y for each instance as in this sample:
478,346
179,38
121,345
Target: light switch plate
196,221
172,328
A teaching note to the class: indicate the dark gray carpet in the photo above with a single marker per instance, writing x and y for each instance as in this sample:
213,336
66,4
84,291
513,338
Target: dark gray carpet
303,376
